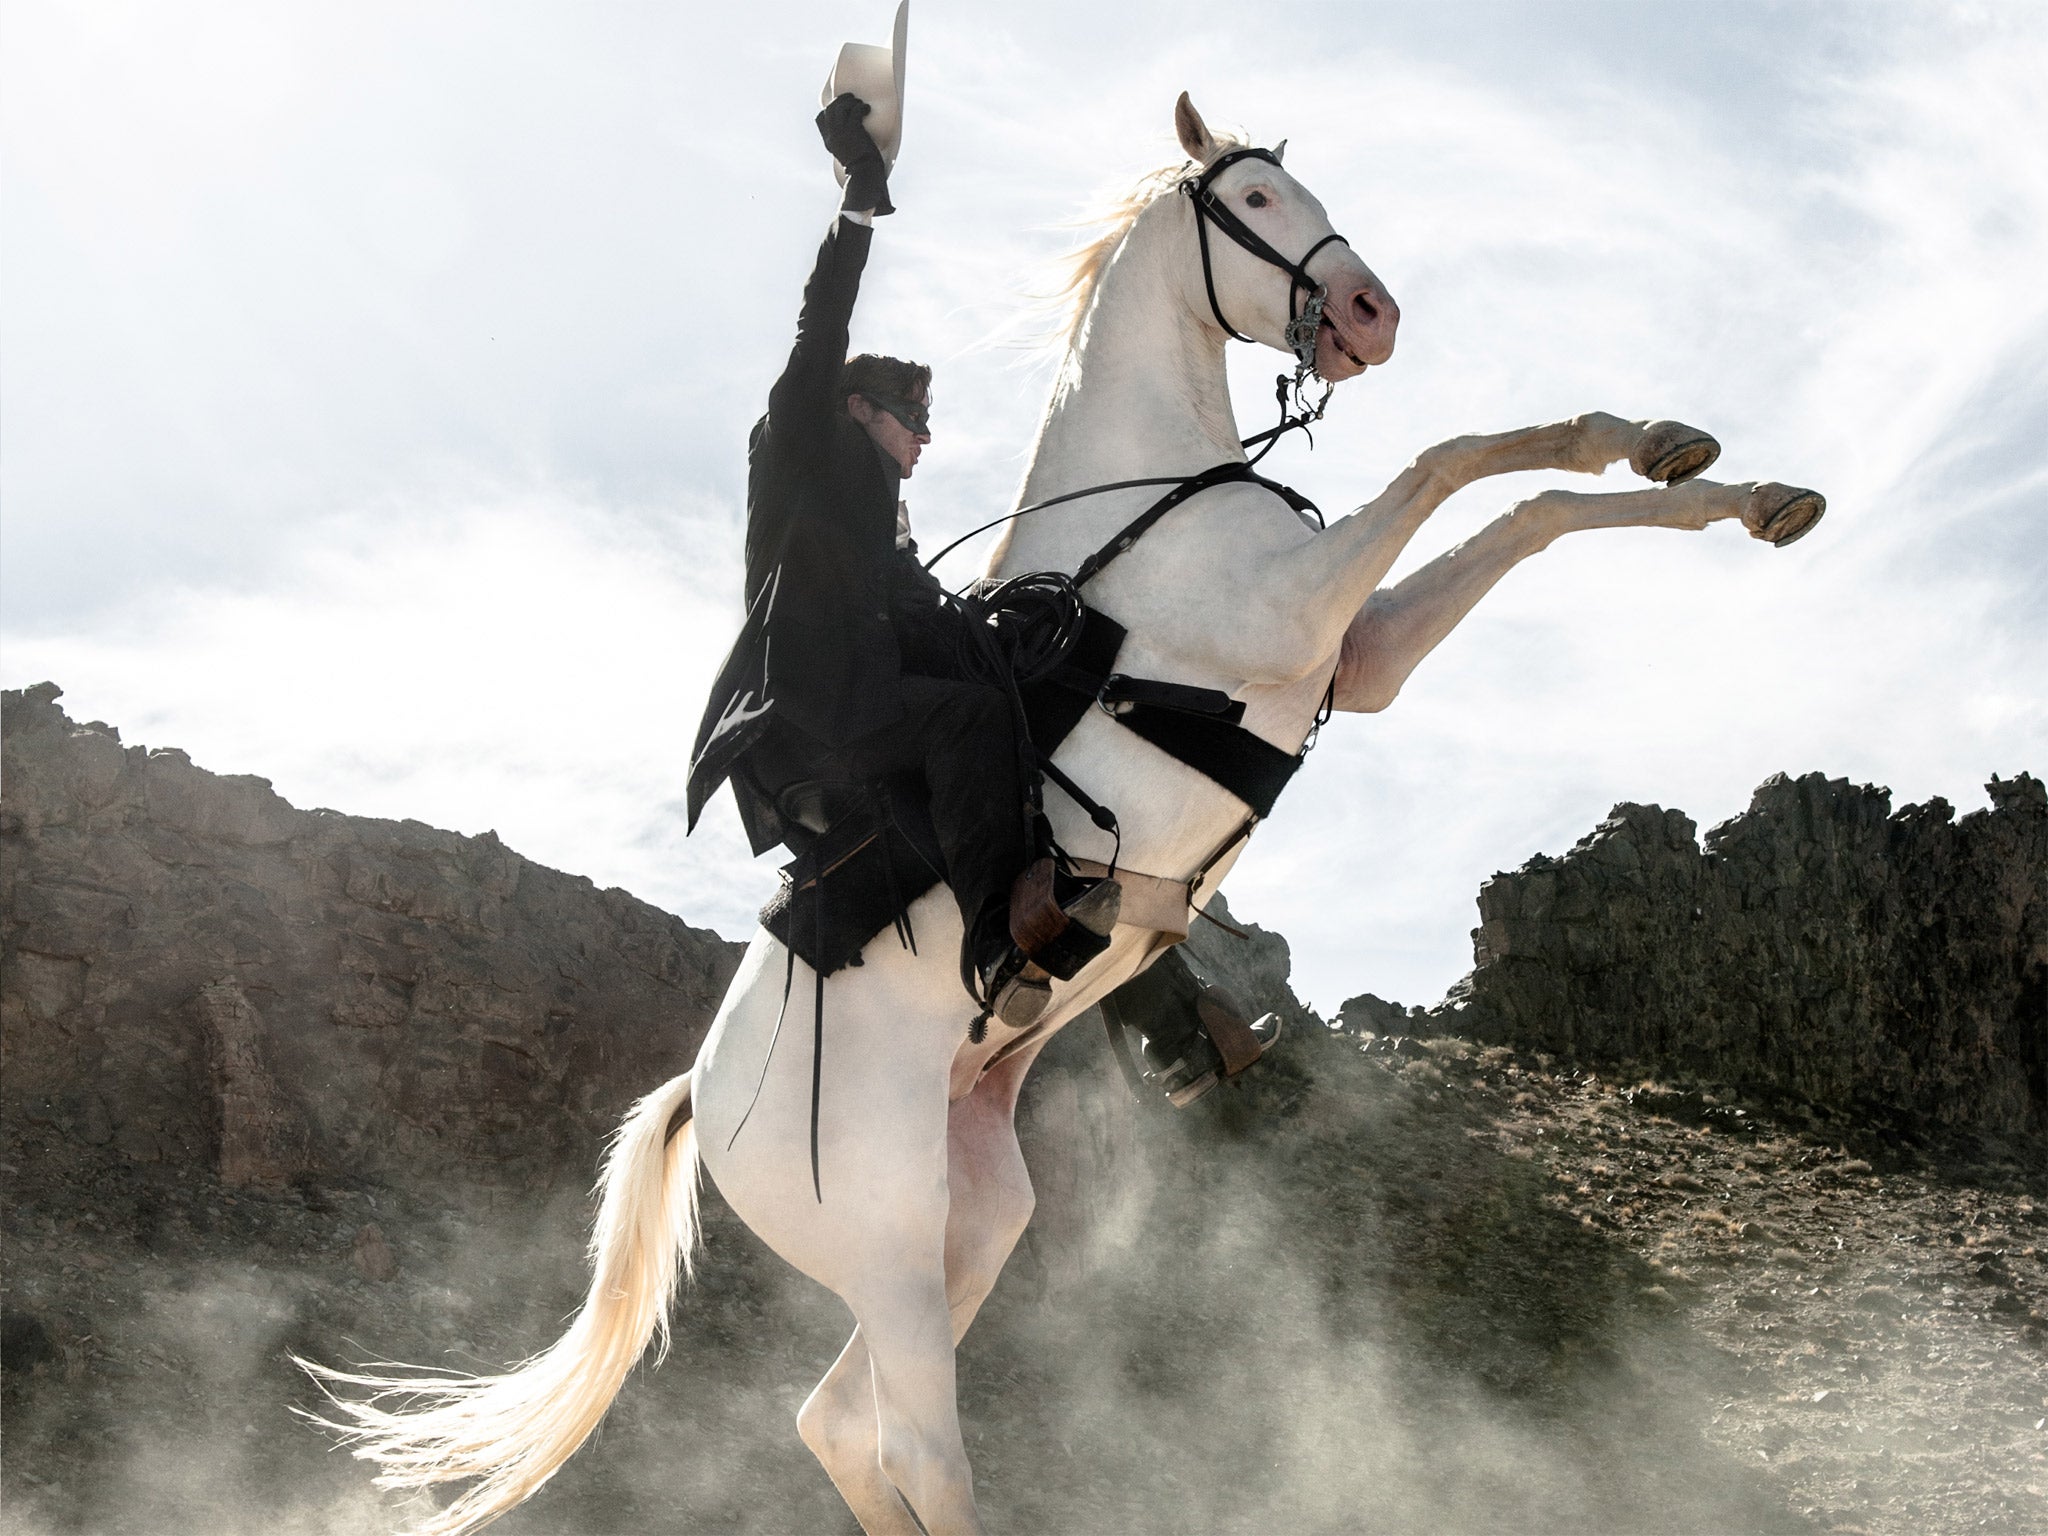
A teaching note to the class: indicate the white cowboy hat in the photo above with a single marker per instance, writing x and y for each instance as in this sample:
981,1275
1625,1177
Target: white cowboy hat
875,75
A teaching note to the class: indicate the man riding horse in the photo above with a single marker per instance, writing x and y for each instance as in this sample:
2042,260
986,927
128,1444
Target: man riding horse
847,668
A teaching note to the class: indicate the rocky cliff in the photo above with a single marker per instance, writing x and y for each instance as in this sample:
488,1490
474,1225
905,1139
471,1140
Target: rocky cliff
293,1083
194,971
1819,945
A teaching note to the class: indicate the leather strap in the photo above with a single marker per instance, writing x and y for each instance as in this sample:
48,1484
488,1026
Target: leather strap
1214,744
1249,766
1194,485
1119,689
1209,208
1150,901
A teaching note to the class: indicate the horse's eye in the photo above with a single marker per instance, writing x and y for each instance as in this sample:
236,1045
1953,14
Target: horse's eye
1255,199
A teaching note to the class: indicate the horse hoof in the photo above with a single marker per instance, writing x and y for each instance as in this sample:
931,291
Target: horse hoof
1778,514
1671,451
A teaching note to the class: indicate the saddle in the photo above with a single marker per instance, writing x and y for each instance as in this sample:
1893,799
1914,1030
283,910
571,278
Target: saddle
865,851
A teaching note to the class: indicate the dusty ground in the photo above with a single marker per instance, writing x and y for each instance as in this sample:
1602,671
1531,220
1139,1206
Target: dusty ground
1883,1303
1389,1286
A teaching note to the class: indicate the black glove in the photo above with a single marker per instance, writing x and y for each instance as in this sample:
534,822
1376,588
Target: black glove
867,177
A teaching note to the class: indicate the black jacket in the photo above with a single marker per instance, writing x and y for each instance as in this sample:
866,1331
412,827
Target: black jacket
817,648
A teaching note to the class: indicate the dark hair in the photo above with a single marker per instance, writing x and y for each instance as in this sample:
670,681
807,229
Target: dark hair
872,374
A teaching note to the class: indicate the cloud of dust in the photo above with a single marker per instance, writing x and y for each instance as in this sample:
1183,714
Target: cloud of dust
1324,1301
1354,1319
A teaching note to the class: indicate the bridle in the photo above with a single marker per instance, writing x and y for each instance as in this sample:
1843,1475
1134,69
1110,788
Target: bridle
1304,321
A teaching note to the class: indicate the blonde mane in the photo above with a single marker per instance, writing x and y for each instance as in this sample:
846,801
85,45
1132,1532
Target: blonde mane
1083,268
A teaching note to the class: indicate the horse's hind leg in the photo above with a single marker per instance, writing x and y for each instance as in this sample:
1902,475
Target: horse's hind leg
989,1202
906,1428
909,1342
990,1188
1401,624
839,1424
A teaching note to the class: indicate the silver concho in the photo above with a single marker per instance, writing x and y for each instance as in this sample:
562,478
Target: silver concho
1301,331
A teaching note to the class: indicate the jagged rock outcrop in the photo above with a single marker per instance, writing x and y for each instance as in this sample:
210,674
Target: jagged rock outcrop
1371,1014
192,969
1819,945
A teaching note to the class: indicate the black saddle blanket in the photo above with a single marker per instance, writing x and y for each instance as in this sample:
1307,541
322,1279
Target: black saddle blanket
855,879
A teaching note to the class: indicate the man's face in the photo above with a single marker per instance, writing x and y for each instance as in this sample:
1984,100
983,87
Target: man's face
884,419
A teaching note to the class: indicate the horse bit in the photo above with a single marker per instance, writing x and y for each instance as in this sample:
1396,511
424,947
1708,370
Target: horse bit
1303,327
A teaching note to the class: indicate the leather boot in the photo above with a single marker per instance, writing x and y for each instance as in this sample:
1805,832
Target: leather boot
1020,947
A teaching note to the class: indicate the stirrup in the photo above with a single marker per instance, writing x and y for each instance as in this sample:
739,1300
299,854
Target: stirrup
1223,1047
1060,921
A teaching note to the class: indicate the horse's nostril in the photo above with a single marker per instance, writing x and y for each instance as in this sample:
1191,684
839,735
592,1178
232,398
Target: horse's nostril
1367,310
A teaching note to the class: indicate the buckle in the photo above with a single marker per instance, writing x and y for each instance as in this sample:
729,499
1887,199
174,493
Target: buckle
1116,709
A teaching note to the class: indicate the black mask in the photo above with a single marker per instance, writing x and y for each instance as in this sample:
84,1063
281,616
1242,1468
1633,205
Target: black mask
914,414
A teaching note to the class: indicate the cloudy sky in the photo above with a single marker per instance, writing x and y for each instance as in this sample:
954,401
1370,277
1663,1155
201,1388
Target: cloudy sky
376,380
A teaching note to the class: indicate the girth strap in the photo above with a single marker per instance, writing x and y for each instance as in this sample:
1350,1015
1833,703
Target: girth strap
1249,766
1197,726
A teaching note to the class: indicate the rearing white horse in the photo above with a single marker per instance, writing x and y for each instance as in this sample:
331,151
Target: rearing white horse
924,1190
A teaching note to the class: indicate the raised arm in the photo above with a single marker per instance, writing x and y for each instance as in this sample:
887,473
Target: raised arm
801,404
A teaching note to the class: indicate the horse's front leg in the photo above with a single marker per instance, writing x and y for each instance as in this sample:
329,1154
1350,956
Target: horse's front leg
1665,451
1302,603
1399,625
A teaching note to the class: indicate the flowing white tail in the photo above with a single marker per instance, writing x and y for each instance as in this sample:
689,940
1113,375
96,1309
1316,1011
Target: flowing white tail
512,1431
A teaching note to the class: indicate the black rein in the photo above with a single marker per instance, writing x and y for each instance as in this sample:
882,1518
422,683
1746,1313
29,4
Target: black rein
1303,324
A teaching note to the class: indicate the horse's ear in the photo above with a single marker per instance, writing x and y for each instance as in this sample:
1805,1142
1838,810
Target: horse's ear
1280,150
1194,134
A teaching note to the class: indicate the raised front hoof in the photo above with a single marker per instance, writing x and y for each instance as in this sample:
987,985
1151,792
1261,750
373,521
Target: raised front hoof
1671,451
1778,514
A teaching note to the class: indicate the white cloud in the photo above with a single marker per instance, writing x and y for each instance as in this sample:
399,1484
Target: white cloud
528,662
377,392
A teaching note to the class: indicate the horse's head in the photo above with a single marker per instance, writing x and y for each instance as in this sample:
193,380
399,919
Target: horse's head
1249,292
